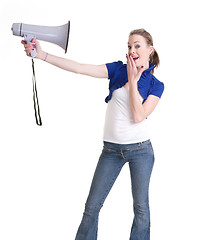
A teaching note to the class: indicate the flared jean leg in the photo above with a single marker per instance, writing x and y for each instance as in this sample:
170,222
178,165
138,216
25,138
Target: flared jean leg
141,165
88,228
107,170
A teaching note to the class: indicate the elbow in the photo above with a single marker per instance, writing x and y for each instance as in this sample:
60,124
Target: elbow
138,119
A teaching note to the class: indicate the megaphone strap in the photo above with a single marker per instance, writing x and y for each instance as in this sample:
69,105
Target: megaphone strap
35,98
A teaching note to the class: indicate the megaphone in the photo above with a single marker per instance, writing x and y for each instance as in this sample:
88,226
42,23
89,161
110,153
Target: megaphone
58,35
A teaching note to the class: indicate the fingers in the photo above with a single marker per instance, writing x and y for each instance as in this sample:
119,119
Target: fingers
131,65
133,72
130,62
28,47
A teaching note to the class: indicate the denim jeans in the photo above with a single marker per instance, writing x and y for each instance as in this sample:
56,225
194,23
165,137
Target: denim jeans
140,157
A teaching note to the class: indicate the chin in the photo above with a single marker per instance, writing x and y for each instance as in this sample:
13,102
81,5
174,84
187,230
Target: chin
138,64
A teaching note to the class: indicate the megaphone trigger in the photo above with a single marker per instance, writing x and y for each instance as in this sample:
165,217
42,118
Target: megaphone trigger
33,53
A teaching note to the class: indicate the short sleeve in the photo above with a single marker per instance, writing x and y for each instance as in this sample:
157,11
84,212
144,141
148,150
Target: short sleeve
112,68
157,88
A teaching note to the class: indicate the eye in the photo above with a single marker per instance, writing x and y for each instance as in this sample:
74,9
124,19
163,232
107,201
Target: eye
129,47
137,46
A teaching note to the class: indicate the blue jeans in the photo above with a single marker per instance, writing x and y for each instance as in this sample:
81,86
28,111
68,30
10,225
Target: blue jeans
140,157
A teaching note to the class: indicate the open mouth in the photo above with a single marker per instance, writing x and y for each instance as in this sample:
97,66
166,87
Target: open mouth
135,58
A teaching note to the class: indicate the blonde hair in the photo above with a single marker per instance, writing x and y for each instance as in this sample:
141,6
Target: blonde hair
154,57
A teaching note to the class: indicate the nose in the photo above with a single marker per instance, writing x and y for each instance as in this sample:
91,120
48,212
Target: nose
132,51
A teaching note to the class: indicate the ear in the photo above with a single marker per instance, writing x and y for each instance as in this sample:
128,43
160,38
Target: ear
151,50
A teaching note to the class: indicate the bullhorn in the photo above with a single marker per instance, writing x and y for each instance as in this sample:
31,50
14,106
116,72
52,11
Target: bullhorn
58,35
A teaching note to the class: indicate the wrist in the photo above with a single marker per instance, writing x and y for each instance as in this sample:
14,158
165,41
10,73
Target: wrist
43,56
133,84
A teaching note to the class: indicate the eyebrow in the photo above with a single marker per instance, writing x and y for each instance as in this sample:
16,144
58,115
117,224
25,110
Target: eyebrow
134,42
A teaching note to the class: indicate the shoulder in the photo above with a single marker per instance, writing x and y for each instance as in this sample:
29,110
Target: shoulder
157,87
157,83
115,64
114,68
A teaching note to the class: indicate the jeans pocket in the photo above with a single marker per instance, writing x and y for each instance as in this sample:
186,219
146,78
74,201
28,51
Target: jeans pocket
145,145
105,148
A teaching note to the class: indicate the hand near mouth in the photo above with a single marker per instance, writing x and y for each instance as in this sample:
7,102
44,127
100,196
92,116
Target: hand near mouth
133,72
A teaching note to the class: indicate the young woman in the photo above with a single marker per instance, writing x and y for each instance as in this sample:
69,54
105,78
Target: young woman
133,95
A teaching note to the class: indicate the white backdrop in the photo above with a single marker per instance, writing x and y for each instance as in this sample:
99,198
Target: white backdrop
45,172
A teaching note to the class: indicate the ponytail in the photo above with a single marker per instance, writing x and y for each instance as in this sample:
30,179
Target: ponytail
154,58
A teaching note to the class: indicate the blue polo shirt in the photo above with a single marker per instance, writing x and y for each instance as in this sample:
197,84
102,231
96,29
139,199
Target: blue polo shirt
148,84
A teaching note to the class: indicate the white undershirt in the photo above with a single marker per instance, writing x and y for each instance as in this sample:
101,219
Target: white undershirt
119,126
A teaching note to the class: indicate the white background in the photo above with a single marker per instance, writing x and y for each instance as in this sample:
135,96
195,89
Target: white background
45,172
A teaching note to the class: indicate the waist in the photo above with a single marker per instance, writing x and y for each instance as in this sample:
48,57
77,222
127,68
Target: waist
131,146
125,132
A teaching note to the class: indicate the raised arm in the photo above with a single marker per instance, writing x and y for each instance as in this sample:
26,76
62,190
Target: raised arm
98,71
139,111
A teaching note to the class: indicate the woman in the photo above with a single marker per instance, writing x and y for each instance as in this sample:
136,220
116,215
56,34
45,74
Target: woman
133,95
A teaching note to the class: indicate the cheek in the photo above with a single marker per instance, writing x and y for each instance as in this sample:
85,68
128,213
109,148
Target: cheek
145,55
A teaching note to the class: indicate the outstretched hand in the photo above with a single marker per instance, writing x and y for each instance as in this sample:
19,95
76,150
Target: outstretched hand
133,72
29,47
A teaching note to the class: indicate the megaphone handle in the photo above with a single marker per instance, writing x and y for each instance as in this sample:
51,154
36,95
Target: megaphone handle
28,38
